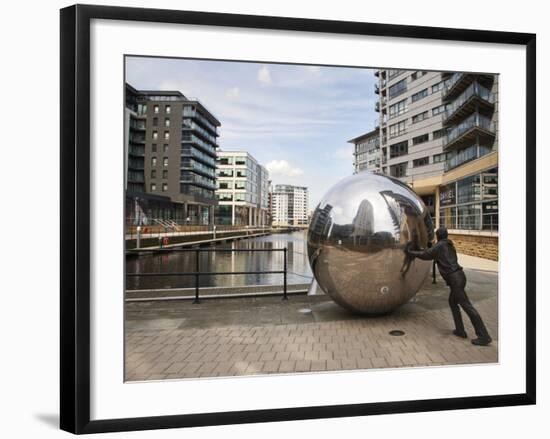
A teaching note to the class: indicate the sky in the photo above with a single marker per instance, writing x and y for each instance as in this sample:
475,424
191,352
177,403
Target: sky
294,119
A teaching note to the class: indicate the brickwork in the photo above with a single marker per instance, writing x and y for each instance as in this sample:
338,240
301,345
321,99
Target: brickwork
177,339
474,245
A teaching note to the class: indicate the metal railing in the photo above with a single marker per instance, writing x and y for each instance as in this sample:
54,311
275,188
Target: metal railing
159,229
475,120
197,273
474,89
449,83
466,155
471,222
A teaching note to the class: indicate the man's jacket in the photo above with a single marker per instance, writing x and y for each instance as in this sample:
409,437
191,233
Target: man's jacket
444,254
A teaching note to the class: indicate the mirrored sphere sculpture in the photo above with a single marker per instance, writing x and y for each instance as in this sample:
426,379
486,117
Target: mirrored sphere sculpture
356,242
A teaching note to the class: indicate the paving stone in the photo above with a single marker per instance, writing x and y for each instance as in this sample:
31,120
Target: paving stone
322,343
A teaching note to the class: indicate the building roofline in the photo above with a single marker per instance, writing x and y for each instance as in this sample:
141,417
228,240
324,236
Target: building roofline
364,136
178,93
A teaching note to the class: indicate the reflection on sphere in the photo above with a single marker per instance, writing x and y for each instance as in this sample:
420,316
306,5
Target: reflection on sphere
356,241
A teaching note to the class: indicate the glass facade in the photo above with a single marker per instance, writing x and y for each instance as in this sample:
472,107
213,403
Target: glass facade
470,203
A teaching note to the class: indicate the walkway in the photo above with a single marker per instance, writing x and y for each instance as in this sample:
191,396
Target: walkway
261,335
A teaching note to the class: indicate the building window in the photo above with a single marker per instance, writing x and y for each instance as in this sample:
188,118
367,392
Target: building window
393,73
155,135
165,174
156,109
398,108
167,122
155,121
153,173
223,184
399,149
225,196
153,187
437,87
420,117
167,135
417,74
490,215
240,185
165,148
225,160
439,109
398,88
168,109
153,161
421,139
421,94
165,162
471,203
397,129
437,158
399,170
240,161
241,172
154,147
438,134
421,162
225,172
164,187
468,189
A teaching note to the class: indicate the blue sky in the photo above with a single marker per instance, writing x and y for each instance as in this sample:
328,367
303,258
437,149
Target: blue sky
295,120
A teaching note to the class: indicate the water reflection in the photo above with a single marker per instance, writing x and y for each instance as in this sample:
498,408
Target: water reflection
174,262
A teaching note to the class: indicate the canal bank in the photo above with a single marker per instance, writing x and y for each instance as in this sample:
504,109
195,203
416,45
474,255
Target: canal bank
163,263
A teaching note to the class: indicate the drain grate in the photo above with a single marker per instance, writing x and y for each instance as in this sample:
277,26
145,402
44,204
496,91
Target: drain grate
397,332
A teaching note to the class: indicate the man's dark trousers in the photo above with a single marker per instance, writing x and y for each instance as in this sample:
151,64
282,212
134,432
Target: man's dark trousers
458,297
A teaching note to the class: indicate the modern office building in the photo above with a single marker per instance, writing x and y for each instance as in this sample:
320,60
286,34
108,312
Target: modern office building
439,133
366,153
289,205
242,190
171,158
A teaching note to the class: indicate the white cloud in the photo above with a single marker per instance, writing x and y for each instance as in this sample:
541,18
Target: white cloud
343,153
264,75
283,168
233,92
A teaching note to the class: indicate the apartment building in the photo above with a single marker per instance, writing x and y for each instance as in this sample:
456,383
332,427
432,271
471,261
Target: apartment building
366,152
242,190
439,133
289,205
171,158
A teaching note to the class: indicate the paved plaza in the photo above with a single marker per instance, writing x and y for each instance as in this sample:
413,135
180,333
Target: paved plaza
176,339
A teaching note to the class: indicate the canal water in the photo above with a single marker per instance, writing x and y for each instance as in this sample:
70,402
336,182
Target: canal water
298,271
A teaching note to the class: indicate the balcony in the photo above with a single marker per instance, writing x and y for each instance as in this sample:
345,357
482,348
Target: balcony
458,82
476,128
474,98
377,107
202,145
377,89
466,155
201,119
377,73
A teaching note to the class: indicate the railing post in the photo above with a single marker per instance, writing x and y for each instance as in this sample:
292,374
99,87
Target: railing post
197,268
285,297
433,273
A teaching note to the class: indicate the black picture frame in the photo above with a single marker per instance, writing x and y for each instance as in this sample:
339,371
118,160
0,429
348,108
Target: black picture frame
75,217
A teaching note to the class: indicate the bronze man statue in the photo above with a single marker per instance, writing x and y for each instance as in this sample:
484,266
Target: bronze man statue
444,254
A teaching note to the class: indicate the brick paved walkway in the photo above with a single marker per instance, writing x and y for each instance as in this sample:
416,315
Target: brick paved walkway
228,337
